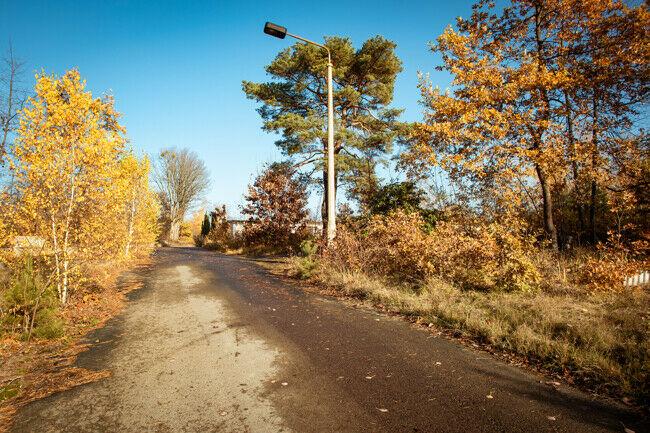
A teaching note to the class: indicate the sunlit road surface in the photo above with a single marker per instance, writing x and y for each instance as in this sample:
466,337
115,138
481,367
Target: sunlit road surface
212,343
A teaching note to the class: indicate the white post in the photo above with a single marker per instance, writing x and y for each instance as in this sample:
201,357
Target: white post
331,188
281,32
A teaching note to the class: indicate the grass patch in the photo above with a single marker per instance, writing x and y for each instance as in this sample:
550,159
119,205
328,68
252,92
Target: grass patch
9,390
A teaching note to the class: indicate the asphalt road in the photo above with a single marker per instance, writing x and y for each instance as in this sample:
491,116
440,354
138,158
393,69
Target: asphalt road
213,343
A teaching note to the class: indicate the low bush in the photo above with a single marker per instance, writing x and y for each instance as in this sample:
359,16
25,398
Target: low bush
470,254
219,235
608,268
307,262
30,305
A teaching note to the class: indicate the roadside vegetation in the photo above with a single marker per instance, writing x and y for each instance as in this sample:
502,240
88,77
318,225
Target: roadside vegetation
77,210
276,216
516,210
496,291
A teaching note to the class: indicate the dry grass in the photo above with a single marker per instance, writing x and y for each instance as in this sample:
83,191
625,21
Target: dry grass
599,341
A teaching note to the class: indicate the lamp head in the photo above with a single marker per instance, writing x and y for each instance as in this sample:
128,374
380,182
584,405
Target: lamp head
275,30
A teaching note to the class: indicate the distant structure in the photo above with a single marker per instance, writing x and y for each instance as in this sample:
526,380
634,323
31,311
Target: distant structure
237,226
32,245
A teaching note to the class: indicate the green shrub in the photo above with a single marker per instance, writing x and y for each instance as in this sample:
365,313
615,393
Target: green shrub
29,305
307,263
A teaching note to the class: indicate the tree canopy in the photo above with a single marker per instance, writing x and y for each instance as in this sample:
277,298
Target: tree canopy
294,103
543,97
181,178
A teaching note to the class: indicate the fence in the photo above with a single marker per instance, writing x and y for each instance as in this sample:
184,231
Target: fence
641,279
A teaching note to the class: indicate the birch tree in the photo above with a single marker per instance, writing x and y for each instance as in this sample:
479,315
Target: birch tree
65,161
141,207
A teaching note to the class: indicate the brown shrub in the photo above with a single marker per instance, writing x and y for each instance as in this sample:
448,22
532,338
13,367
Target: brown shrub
467,253
398,246
613,262
476,255
348,251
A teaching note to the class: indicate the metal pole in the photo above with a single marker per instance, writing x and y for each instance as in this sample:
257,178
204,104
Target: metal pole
331,188
331,183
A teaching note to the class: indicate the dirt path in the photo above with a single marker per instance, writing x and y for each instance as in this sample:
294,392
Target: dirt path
212,343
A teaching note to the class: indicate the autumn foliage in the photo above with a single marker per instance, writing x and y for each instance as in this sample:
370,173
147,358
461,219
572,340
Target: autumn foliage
543,116
275,207
468,253
76,184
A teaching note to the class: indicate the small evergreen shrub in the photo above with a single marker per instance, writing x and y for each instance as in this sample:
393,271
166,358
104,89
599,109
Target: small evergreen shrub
30,305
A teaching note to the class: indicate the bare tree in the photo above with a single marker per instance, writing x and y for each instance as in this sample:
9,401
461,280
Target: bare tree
181,178
12,98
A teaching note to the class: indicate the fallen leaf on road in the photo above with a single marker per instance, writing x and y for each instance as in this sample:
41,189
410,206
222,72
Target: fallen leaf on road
284,384
551,418
490,396
381,409
438,363
369,377
627,430
224,413
553,383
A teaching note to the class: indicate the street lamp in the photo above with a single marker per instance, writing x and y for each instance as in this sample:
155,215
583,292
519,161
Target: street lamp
281,32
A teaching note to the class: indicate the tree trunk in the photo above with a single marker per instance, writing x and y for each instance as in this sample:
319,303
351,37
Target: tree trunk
64,289
549,225
129,239
592,212
574,166
57,261
175,230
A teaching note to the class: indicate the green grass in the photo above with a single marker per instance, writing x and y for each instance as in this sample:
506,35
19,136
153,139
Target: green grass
9,390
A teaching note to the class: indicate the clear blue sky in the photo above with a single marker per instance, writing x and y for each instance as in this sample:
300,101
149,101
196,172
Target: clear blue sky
175,67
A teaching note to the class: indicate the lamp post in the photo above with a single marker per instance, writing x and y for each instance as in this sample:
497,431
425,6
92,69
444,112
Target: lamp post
281,32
